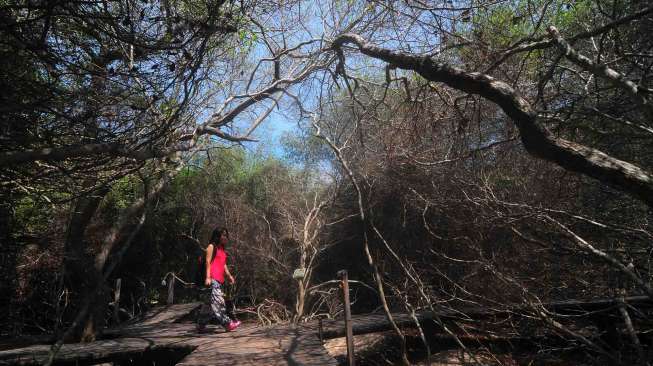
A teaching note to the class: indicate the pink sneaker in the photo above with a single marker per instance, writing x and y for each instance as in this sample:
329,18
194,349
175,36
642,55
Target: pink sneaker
233,325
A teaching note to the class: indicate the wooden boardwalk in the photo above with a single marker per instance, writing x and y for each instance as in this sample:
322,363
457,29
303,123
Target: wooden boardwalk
260,346
249,345
171,329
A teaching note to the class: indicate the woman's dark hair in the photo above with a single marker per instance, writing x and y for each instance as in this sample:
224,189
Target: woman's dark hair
217,232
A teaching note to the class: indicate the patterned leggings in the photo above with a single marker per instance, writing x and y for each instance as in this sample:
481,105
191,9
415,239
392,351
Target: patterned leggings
218,307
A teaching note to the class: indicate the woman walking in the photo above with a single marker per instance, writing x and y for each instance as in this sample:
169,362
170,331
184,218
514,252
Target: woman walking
216,269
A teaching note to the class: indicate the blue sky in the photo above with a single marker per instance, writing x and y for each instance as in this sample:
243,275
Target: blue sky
270,132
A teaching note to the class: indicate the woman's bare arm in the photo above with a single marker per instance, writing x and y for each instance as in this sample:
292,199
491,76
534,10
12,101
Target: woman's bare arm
209,256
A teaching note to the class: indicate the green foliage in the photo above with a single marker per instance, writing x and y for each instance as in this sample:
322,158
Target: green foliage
32,215
123,193
247,38
508,22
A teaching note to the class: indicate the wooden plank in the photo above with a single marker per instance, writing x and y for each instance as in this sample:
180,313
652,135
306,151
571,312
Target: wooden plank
82,352
256,346
278,345
168,313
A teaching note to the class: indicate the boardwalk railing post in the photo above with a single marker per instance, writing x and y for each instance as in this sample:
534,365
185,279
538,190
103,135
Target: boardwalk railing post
116,302
320,330
348,327
171,289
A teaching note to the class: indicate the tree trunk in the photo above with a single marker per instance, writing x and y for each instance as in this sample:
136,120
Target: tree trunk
79,272
116,242
96,317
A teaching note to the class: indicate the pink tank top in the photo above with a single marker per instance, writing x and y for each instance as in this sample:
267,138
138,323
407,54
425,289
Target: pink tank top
217,266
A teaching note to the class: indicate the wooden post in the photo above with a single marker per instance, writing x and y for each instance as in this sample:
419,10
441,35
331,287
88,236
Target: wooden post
319,330
116,301
171,289
348,327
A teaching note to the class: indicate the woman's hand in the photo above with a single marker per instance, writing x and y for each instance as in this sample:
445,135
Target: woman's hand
207,282
231,279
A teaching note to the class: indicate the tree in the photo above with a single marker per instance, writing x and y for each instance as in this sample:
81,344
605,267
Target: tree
443,154
113,90
537,139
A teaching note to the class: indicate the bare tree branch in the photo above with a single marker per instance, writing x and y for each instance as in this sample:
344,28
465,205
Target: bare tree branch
537,139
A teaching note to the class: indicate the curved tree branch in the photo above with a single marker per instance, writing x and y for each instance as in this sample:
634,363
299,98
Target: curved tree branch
537,140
